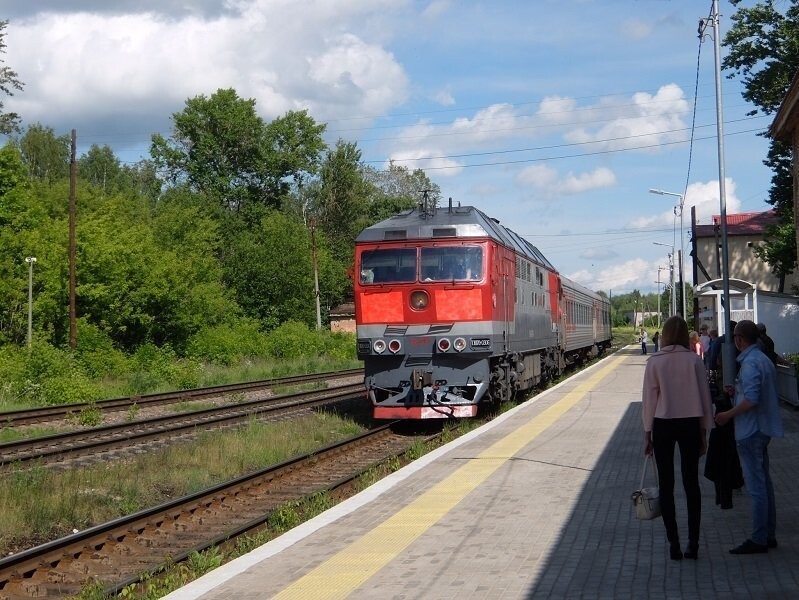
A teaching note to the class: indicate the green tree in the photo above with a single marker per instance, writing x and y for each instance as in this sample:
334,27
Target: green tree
270,269
397,189
9,81
341,200
763,49
45,153
222,148
100,167
14,206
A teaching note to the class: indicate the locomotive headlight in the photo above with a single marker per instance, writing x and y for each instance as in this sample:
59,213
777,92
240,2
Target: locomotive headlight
379,346
459,344
443,344
395,346
419,300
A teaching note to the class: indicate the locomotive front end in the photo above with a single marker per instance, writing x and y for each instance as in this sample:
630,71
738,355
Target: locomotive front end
422,328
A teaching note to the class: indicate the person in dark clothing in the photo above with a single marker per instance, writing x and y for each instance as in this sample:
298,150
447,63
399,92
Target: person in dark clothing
656,340
766,345
722,465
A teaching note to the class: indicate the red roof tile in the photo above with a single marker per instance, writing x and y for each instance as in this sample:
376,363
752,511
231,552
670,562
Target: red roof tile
752,223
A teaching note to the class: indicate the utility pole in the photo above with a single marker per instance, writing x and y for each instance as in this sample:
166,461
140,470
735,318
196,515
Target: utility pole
658,282
315,275
695,268
728,359
73,313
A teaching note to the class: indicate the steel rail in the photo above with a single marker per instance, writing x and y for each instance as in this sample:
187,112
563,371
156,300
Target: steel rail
122,551
28,416
125,435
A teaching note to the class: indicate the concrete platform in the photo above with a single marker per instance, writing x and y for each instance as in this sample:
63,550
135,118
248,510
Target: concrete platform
535,504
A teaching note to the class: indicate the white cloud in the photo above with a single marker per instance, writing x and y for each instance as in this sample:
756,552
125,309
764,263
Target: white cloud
436,8
444,98
621,278
547,180
144,63
704,196
636,29
642,121
599,254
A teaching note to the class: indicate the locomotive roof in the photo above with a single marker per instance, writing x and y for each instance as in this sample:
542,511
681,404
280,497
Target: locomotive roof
450,223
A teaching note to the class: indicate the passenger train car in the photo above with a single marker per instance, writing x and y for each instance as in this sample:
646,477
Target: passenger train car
453,310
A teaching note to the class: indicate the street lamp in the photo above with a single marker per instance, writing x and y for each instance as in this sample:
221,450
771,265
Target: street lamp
30,260
673,302
682,243
658,282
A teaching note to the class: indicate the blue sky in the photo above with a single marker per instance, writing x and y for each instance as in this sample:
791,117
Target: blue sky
555,117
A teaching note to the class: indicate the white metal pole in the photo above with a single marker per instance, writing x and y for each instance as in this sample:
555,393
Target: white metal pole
728,348
30,260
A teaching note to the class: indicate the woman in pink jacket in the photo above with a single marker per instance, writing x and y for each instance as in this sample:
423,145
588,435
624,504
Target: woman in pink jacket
677,410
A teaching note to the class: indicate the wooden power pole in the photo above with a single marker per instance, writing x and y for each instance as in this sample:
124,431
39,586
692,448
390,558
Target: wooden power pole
73,313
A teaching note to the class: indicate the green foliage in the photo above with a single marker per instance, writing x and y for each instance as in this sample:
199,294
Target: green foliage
779,250
271,270
397,189
227,344
90,415
341,201
155,366
46,154
293,340
96,351
285,517
9,121
222,148
763,50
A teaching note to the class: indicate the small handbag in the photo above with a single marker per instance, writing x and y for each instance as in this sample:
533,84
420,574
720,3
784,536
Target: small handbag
646,500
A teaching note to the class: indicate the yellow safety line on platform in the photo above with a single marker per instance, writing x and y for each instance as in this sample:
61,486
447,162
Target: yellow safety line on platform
347,570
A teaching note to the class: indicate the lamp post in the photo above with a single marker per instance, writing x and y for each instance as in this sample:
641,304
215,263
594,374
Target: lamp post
658,282
680,206
673,301
30,260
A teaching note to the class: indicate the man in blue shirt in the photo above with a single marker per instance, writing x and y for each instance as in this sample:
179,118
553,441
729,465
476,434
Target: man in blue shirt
757,420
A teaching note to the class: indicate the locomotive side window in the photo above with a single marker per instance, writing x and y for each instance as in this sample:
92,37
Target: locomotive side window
452,263
390,265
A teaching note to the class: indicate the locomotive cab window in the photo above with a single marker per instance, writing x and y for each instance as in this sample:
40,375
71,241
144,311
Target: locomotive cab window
452,263
390,265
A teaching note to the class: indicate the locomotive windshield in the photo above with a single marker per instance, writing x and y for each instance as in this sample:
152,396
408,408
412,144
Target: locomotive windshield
439,263
393,264
448,263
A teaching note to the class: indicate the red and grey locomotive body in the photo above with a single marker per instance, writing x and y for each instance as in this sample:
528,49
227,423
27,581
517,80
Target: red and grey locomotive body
453,309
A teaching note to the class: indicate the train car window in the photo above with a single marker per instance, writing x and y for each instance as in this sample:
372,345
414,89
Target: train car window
452,263
389,265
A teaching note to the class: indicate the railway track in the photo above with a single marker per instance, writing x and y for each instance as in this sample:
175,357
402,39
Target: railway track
101,443
30,416
121,552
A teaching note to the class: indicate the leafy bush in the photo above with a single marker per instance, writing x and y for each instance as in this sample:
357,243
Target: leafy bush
69,388
294,340
227,344
96,351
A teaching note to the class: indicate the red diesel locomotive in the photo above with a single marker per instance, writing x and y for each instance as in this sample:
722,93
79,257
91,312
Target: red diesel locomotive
452,310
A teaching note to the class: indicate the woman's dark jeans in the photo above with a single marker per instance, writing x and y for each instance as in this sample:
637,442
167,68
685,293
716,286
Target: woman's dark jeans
686,434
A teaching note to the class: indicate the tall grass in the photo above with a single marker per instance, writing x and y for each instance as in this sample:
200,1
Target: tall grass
40,504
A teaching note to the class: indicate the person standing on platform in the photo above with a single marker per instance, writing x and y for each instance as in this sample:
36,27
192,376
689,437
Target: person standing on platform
643,339
656,340
695,345
704,339
757,417
677,410
766,345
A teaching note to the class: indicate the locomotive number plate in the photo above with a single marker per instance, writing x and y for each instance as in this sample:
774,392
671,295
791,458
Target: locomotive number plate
481,342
